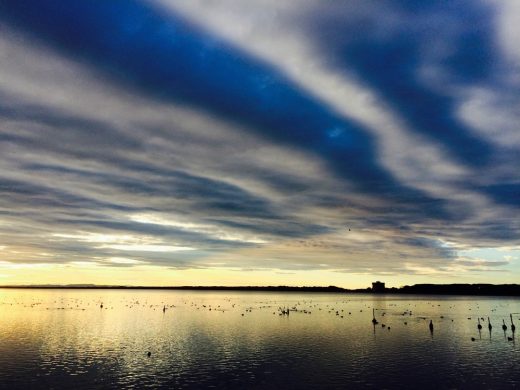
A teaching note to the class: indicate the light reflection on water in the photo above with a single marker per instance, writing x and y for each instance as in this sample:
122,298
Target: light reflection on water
63,339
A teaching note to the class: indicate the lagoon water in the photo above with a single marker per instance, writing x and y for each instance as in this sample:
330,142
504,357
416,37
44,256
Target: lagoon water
205,339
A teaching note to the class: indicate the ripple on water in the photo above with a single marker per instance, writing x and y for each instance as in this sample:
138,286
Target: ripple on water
44,346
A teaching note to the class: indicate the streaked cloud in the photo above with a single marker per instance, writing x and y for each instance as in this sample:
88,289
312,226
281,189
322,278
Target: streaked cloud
359,138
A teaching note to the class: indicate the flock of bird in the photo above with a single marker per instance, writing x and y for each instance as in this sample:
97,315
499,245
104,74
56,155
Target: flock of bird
479,325
228,305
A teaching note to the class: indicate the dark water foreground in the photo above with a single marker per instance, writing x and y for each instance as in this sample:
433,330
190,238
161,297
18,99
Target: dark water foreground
63,339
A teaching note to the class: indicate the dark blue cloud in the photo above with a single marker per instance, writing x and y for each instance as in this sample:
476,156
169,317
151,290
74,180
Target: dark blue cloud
64,132
209,195
455,39
217,202
167,58
434,246
25,194
505,193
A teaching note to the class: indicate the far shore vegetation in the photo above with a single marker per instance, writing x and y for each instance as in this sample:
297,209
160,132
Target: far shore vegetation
426,289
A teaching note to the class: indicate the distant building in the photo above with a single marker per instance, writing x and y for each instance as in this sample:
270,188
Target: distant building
378,287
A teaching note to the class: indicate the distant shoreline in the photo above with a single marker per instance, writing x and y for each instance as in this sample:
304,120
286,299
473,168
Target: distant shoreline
420,289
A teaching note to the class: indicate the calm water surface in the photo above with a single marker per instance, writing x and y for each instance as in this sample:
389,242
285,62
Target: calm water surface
63,338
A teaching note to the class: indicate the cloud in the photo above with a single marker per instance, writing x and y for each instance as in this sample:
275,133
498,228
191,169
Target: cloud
255,135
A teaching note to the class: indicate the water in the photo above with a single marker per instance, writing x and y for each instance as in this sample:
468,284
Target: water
63,339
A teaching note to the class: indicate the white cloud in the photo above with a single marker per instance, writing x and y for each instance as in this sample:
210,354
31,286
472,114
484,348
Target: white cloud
148,248
508,28
124,260
210,230
493,115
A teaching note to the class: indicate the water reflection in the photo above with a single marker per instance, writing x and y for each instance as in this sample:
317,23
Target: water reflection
182,339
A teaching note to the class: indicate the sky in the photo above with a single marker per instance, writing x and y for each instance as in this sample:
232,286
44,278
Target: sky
261,142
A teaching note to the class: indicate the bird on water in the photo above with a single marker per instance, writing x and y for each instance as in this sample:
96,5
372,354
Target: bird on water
504,326
489,325
431,326
513,328
374,321
479,327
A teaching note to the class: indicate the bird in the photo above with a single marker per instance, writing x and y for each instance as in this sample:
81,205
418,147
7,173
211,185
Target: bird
504,326
479,327
149,354
431,326
489,325
374,321
473,339
513,328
